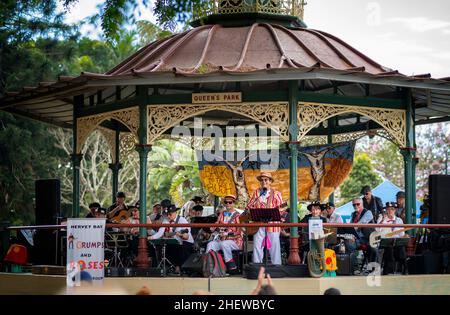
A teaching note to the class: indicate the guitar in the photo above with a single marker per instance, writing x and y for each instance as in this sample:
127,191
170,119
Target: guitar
119,214
375,237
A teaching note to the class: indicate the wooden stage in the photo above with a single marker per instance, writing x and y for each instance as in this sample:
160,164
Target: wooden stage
27,283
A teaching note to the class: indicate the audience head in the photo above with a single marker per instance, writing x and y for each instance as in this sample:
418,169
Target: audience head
332,291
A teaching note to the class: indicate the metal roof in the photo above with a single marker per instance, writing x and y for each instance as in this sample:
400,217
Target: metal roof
212,54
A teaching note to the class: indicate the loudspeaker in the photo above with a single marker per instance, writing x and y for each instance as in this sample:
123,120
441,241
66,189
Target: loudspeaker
48,201
427,263
44,251
345,264
439,193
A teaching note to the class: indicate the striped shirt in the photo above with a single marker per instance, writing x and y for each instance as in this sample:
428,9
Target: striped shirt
270,199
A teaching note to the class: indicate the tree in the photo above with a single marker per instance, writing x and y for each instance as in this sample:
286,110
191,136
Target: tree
26,154
388,160
433,149
362,174
20,22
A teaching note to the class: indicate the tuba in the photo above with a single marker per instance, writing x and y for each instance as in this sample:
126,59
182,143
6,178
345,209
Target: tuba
316,256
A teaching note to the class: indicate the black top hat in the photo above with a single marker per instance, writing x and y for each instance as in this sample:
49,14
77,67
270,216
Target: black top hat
390,204
197,208
120,194
172,208
166,203
198,199
400,194
94,205
313,204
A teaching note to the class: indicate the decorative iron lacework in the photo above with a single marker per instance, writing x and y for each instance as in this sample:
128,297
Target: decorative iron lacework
85,125
241,143
110,136
282,7
273,115
127,143
392,120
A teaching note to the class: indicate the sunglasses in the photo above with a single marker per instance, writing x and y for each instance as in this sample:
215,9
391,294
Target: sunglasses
228,202
356,204
367,193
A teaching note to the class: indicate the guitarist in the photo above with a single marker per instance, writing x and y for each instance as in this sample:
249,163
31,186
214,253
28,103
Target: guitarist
228,239
397,253
115,209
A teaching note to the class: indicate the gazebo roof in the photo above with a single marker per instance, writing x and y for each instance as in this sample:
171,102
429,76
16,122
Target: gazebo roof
259,46
259,53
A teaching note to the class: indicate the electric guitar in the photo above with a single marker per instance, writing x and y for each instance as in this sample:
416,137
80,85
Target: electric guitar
375,237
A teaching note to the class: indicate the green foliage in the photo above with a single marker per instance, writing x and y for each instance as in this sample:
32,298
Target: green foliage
362,174
27,153
388,160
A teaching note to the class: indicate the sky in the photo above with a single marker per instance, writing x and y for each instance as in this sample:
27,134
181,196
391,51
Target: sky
412,36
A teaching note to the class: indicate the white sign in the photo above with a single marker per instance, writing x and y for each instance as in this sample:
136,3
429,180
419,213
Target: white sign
85,251
315,226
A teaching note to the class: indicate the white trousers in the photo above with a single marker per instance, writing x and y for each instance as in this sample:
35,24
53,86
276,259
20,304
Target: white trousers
274,250
226,246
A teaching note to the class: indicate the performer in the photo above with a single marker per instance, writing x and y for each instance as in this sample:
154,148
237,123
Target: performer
315,209
115,209
186,210
371,202
227,239
397,253
400,212
363,216
181,234
266,197
331,215
92,209
134,233
100,213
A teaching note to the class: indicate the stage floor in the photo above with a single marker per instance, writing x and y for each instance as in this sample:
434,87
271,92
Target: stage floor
22,283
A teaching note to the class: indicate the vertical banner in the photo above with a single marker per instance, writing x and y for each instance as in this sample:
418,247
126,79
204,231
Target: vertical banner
85,251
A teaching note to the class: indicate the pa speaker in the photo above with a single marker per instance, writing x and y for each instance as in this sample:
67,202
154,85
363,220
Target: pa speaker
48,201
439,193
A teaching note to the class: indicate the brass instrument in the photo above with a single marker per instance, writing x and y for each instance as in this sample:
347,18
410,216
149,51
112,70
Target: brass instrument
316,256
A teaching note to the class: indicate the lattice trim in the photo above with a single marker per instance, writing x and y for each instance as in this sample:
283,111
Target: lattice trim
85,125
392,120
273,115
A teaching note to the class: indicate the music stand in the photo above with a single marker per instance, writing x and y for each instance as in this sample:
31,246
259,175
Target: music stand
116,241
393,242
164,242
265,215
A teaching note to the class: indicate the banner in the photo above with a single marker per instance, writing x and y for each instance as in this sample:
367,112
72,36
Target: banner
321,169
85,251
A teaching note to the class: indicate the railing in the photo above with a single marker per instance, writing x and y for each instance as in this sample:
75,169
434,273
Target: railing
283,225
280,7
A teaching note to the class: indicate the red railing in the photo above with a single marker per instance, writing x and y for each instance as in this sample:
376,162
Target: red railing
199,225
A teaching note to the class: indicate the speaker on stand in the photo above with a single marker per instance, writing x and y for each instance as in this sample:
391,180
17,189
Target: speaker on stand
439,193
48,206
